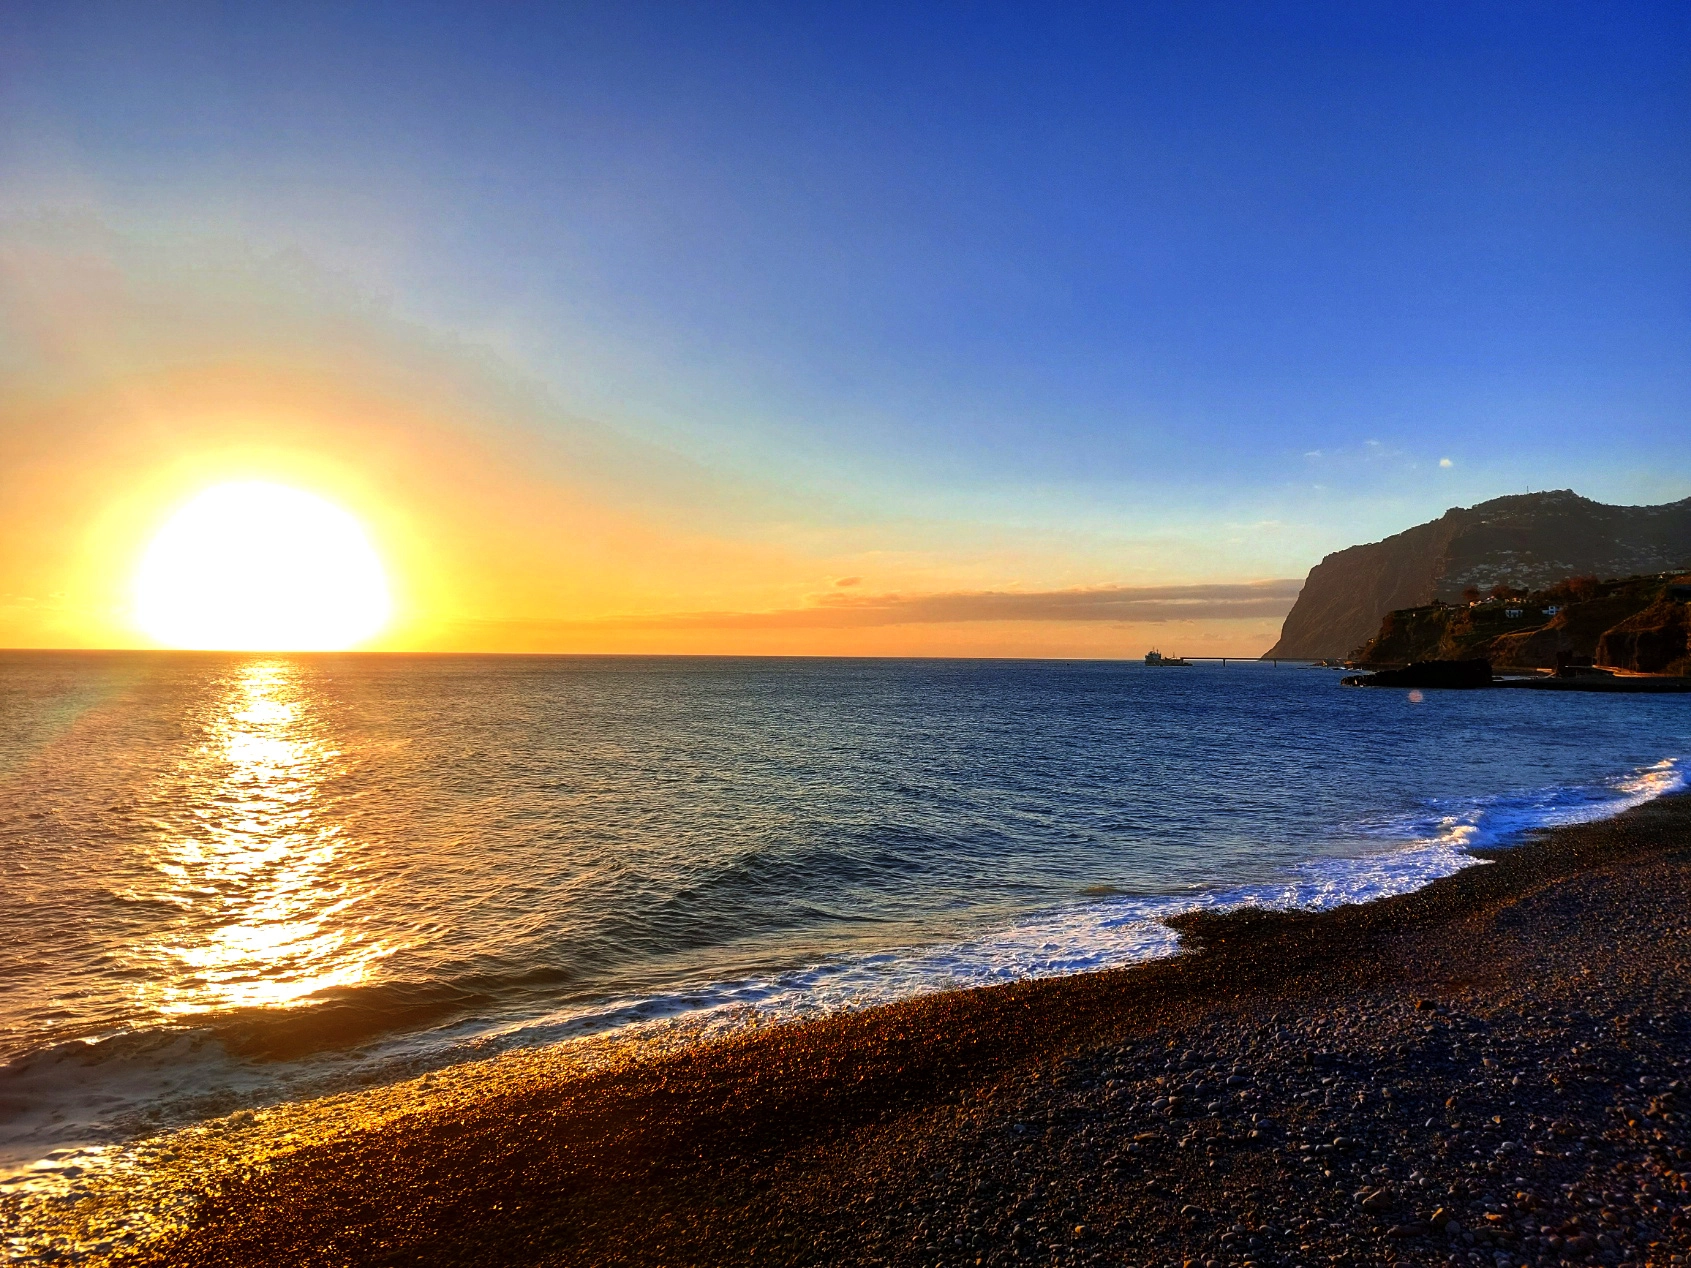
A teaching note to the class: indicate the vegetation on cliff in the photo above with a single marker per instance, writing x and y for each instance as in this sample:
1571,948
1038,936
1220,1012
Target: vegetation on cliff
1637,623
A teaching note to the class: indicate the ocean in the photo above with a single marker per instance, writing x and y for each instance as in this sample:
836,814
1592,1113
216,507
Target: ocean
236,881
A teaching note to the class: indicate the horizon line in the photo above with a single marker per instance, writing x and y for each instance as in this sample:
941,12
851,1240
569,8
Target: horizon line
370,652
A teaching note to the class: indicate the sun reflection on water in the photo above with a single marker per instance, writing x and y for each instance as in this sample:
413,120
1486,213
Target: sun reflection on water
250,857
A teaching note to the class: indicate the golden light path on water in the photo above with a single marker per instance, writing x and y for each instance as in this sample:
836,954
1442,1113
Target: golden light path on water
258,871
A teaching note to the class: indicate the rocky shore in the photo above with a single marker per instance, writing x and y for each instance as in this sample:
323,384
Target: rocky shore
1494,1070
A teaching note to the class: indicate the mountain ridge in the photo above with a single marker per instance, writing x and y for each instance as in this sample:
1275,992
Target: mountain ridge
1527,541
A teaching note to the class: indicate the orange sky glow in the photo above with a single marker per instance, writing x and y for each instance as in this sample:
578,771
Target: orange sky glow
499,530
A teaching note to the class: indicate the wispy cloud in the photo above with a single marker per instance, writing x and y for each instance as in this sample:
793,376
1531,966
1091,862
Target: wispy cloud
1369,451
1098,603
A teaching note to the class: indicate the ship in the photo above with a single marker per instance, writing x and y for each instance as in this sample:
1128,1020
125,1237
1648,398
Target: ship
1154,657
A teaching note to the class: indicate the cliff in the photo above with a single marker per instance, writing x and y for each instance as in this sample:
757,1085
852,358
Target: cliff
1639,623
1526,542
1654,641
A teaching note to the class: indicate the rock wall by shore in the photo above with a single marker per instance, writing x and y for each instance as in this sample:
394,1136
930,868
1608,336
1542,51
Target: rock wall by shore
1655,641
1634,623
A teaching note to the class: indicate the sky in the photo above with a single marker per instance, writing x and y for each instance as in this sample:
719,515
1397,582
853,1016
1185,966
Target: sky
1055,330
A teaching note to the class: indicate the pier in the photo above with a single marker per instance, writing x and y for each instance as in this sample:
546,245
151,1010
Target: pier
1254,660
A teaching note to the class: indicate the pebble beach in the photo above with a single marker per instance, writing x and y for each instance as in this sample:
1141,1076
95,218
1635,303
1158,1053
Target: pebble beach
1491,1070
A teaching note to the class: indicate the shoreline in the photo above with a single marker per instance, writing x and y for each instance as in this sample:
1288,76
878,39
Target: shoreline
839,1139
1118,931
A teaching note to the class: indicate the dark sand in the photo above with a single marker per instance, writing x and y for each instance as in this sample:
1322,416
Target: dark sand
1485,1071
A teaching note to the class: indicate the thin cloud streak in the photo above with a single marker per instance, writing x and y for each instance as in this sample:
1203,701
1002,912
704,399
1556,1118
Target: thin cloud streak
1124,604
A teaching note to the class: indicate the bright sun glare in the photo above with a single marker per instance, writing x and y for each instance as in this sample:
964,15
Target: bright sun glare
255,566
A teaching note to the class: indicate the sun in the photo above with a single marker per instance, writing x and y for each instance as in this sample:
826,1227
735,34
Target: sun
255,566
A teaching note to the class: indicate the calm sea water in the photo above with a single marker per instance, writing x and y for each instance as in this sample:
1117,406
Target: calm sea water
229,880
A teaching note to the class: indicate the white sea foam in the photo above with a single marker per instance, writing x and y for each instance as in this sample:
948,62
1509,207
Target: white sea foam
1118,931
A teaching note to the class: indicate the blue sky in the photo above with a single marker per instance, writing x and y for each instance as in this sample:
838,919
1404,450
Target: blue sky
1124,269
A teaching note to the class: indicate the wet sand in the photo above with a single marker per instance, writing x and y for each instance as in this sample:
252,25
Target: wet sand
1485,1071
